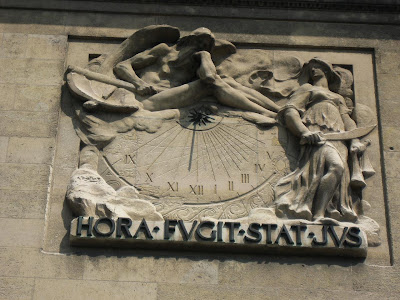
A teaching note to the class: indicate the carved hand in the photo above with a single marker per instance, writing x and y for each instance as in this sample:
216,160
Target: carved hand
357,146
312,138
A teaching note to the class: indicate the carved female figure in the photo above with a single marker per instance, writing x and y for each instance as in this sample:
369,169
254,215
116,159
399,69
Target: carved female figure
320,185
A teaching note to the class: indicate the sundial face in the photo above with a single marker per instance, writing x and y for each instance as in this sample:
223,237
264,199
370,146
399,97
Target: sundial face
202,159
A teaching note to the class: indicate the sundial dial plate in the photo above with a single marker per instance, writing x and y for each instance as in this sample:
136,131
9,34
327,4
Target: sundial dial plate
200,159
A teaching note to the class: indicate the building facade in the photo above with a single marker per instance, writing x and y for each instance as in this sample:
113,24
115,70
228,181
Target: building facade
267,45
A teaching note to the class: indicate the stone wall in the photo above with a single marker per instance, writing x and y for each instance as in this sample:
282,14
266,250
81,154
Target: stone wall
38,152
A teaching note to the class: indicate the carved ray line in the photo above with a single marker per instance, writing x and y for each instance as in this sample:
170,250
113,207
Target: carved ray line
173,127
166,147
218,155
168,158
232,143
244,134
195,170
208,154
180,157
236,138
159,144
232,146
213,150
182,163
202,153
240,138
226,151
195,160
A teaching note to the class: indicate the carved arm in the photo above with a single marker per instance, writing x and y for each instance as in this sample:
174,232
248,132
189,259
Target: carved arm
125,70
296,126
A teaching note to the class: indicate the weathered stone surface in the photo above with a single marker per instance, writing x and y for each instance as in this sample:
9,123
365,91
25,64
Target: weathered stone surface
23,204
21,232
142,268
20,261
78,289
7,96
37,98
3,148
24,176
29,124
13,45
46,46
30,150
12,288
237,292
19,71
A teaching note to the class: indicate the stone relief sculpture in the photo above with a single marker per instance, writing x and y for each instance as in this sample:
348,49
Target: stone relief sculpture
321,185
189,128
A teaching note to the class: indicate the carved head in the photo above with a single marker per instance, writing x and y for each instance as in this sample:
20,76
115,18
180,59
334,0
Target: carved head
318,67
201,39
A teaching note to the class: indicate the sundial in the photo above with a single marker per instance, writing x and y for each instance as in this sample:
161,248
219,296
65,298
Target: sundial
178,137
200,159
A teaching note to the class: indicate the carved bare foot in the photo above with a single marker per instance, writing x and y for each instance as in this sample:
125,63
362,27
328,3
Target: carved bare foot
325,221
145,90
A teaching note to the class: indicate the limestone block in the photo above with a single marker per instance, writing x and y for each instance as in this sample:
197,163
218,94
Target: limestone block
392,164
61,176
92,24
12,69
30,262
375,279
28,71
143,268
7,96
13,45
38,98
21,232
388,62
79,289
388,89
3,148
30,150
33,21
277,273
29,124
268,291
12,288
391,138
58,218
46,46
22,204
24,176
389,111
67,155
48,72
